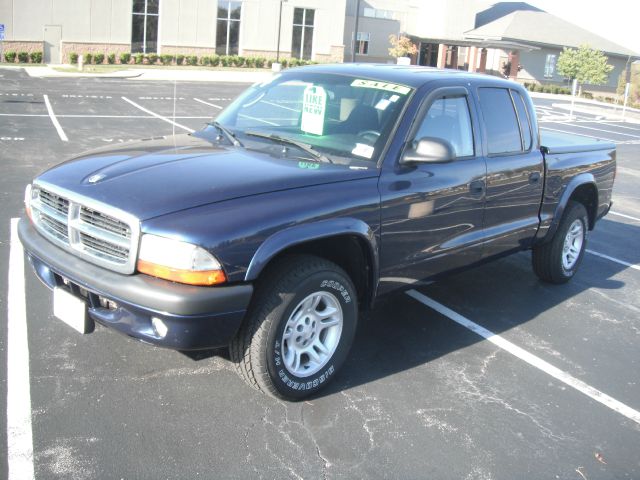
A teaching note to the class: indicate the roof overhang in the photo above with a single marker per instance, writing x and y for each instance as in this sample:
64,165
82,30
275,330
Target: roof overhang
499,43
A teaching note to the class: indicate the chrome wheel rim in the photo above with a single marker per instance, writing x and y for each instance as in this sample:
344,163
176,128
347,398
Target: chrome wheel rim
312,333
572,244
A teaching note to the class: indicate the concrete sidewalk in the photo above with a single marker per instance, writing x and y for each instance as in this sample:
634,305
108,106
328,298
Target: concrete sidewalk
161,74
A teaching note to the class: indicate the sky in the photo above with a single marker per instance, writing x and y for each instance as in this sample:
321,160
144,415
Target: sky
615,20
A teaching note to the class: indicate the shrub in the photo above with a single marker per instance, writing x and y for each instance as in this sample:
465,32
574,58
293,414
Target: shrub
36,57
73,58
98,58
138,58
166,59
587,95
260,61
238,61
205,60
10,56
250,62
179,59
214,60
192,60
125,58
284,62
23,57
87,57
111,58
224,61
153,58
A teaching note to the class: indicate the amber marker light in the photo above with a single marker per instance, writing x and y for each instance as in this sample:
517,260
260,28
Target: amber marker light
178,261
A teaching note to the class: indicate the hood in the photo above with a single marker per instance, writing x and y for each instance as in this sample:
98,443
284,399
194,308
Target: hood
160,176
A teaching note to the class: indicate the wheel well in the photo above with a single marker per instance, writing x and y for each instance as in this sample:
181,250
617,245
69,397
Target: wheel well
349,252
587,195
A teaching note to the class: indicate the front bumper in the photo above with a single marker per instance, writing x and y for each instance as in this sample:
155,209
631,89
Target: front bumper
196,317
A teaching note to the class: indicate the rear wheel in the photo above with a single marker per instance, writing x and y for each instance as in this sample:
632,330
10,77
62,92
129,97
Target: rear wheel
299,328
558,260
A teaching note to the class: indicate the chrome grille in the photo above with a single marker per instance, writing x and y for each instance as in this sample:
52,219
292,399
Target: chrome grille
100,220
98,233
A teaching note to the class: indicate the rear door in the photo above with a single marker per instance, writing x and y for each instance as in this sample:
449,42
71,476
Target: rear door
515,170
431,213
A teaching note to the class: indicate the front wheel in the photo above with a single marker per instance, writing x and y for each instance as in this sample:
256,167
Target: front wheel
299,328
558,260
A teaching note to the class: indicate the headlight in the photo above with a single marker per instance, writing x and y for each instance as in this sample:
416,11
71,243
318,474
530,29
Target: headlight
178,261
29,193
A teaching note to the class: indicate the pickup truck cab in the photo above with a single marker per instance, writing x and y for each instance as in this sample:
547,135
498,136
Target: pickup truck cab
310,196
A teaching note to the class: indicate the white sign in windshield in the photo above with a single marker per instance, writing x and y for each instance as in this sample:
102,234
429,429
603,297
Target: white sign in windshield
314,107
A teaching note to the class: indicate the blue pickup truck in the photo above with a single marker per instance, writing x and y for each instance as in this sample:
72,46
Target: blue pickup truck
313,194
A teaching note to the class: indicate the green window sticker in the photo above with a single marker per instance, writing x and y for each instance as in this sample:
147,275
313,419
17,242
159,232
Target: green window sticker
390,87
308,165
314,107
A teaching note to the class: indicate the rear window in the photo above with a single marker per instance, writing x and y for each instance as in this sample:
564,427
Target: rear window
503,134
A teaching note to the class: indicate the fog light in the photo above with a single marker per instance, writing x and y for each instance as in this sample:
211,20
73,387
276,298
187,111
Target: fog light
159,326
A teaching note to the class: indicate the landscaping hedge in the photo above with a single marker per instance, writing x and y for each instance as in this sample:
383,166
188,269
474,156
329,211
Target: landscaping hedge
177,59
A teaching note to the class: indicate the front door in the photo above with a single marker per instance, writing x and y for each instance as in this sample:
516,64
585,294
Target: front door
432,213
52,40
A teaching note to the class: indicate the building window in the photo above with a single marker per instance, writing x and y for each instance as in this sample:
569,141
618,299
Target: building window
377,13
362,43
228,27
550,66
302,41
144,27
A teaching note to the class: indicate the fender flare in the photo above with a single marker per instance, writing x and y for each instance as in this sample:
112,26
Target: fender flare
577,181
298,234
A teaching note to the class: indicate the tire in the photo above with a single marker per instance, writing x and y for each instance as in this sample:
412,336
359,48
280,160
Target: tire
558,260
285,322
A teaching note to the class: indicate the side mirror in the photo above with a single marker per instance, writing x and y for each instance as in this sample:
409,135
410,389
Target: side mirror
429,150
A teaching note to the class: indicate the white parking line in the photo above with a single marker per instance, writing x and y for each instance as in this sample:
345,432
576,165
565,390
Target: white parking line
153,114
613,259
54,120
207,103
529,358
19,430
598,129
581,134
624,215
88,116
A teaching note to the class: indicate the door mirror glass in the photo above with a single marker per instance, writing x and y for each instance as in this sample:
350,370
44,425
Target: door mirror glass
429,150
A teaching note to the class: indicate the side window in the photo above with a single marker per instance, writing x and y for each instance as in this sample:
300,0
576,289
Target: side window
448,118
523,116
503,134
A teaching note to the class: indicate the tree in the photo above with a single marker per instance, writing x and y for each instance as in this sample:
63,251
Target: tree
585,64
401,46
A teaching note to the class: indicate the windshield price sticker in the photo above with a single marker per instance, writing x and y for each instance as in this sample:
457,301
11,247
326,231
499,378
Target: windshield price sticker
390,87
314,107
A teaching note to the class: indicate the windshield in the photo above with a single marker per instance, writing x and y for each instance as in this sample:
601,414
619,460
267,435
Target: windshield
343,119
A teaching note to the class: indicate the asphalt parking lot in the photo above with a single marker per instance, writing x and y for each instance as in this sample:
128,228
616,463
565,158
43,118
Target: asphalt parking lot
553,393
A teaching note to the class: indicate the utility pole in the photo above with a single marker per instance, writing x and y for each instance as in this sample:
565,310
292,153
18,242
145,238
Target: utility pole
279,29
355,33
627,87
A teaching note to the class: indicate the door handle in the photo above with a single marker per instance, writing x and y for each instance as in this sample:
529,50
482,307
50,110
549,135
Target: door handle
534,177
477,187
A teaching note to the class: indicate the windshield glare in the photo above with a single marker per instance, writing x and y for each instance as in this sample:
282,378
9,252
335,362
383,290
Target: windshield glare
345,118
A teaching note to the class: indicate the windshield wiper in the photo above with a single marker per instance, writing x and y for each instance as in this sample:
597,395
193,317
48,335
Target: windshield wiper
227,133
302,146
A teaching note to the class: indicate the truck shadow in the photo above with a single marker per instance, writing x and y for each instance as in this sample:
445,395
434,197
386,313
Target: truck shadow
401,333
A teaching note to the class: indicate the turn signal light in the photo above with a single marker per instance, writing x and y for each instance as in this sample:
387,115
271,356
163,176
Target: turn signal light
191,277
